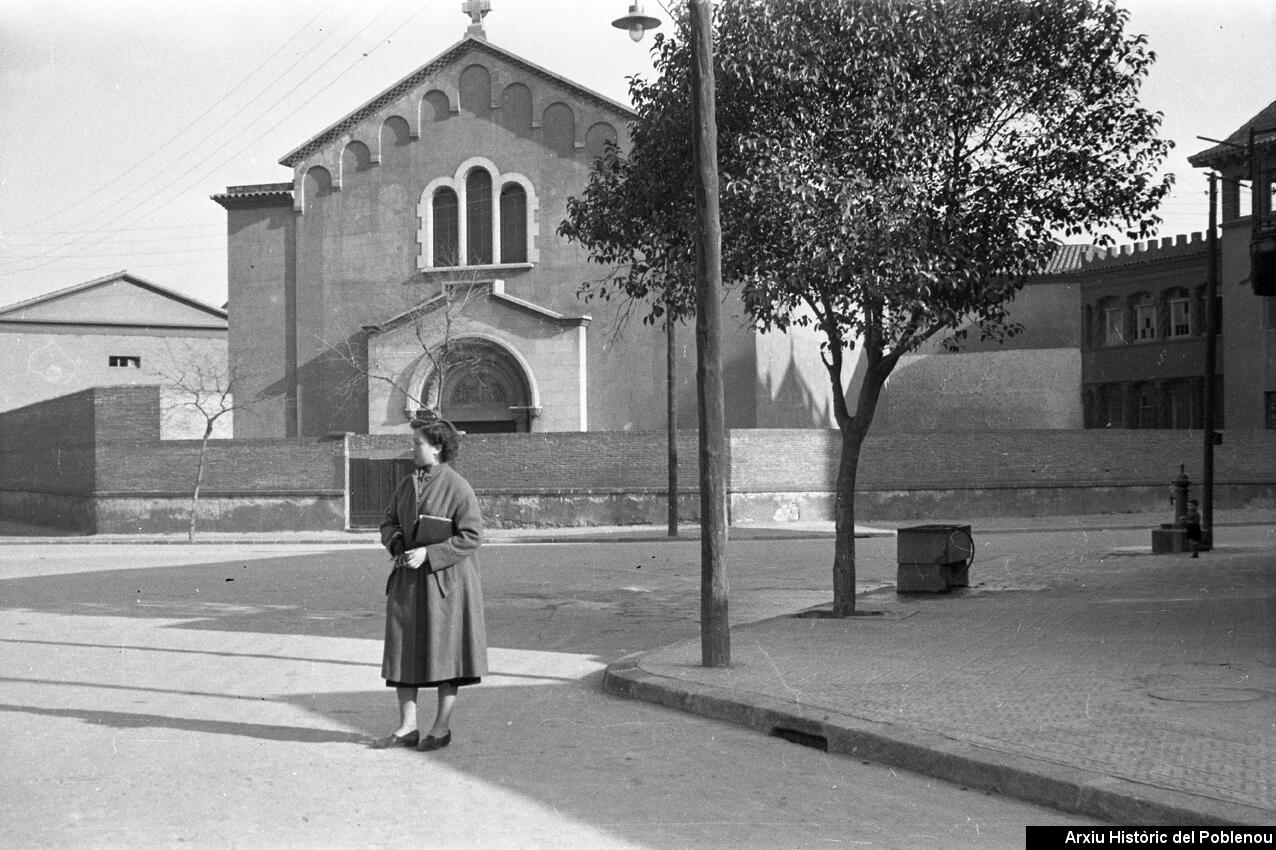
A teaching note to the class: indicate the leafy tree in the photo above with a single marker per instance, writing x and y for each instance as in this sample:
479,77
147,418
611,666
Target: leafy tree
892,170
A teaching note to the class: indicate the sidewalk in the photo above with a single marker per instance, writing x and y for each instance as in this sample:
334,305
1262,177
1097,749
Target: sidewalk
1108,681
1131,687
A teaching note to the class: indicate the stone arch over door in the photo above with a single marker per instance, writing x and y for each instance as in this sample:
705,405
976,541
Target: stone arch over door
479,384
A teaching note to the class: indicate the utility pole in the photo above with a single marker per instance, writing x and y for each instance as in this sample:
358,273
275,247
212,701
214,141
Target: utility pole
1211,357
715,635
715,631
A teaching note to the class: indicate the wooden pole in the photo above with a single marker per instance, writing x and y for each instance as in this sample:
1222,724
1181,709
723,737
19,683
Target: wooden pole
1211,357
715,635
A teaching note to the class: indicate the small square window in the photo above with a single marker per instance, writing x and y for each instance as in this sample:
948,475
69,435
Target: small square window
125,361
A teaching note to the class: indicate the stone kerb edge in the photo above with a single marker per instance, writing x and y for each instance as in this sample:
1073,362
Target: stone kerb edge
1058,786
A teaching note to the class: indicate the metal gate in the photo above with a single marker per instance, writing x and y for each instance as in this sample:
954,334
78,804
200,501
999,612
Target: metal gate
372,483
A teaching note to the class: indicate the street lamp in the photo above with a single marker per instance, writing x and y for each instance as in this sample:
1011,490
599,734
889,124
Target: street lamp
715,633
636,22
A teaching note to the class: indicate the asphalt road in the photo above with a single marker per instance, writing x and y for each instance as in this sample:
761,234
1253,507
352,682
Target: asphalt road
222,696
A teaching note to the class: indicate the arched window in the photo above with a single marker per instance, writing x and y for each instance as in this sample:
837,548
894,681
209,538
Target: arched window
516,110
1111,315
476,91
435,107
356,157
513,224
558,129
478,217
1180,306
316,184
395,138
1144,318
597,137
446,237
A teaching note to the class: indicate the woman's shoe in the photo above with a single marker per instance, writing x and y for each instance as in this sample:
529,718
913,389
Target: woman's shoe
429,742
409,740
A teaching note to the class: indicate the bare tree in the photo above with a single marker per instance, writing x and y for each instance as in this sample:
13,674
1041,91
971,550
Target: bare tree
436,326
201,386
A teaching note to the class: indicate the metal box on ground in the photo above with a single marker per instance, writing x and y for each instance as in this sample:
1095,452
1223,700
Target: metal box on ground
1169,539
933,558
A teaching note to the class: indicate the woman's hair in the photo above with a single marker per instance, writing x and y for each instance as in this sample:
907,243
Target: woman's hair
441,433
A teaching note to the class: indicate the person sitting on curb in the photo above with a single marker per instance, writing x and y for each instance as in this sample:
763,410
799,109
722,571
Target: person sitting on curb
1191,521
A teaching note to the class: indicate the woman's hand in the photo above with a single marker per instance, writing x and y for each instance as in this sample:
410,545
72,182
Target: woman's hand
414,558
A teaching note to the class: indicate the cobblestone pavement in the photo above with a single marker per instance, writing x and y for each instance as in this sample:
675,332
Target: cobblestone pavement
1078,670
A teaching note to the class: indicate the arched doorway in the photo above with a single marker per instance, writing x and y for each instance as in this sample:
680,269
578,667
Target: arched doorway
478,385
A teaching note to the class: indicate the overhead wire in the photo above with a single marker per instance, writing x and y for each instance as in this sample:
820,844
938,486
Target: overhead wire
186,154
155,151
106,227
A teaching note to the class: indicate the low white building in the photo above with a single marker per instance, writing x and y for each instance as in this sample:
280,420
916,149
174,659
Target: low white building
115,330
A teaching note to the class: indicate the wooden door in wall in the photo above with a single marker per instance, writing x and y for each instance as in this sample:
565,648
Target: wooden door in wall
372,483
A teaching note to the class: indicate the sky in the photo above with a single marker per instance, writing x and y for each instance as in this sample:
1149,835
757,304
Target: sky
120,118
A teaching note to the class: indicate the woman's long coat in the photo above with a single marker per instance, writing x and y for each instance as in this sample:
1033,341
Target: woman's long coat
434,629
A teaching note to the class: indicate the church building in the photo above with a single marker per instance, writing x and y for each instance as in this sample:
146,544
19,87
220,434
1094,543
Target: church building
413,263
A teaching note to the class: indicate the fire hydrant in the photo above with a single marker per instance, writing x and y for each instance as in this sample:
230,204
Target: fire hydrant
1170,536
1180,486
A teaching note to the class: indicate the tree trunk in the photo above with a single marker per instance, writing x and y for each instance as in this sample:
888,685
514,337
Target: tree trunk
671,409
854,429
199,478
844,523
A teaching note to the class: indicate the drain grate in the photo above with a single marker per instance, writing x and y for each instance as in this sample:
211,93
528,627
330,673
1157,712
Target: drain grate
796,736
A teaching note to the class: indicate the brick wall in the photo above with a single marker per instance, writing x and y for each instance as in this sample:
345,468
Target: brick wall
807,460
93,461
558,462
230,466
49,446
78,461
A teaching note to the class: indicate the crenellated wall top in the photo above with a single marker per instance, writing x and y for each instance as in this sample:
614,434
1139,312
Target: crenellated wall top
1166,248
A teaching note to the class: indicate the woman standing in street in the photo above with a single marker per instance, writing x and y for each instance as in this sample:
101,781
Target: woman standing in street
434,631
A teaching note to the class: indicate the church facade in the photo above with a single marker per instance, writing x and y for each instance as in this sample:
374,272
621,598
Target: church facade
413,263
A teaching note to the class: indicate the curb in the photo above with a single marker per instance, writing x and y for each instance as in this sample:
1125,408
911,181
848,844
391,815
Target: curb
1058,786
